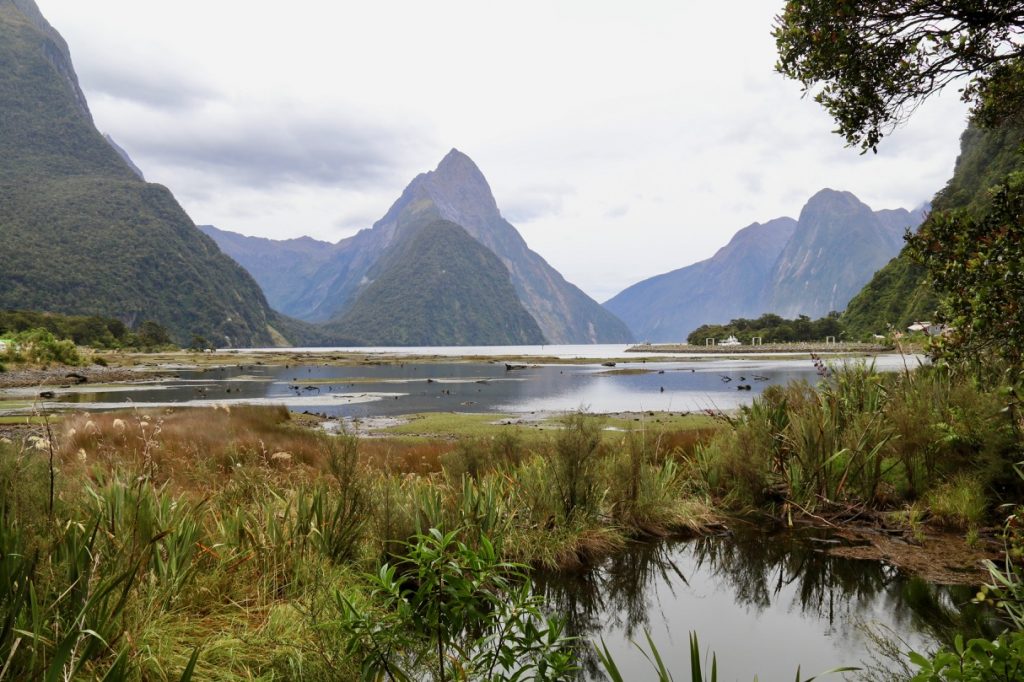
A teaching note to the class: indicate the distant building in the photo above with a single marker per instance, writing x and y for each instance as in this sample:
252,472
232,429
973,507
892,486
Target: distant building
927,328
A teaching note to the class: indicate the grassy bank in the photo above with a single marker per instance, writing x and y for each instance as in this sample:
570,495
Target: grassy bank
130,541
235,530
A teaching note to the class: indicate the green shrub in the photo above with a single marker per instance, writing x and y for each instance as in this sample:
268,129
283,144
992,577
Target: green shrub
453,612
470,457
978,660
960,502
39,346
507,449
577,455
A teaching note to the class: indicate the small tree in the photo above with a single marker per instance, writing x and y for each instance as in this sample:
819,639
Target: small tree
152,335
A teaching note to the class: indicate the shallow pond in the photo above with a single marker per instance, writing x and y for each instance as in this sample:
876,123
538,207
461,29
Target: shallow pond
482,387
764,603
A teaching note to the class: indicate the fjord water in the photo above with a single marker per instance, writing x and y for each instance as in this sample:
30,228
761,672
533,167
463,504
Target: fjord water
765,603
394,387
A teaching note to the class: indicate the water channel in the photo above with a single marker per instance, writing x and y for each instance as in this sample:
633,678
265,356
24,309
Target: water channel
388,389
765,603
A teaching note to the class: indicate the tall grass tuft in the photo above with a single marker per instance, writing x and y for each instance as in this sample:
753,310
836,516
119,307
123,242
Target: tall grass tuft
861,438
577,455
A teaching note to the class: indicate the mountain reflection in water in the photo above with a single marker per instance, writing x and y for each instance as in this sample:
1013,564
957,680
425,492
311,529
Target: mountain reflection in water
764,604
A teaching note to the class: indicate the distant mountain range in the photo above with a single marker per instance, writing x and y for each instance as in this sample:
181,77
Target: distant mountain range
84,233
321,282
81,231
809,266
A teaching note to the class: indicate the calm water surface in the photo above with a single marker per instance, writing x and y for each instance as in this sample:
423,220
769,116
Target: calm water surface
687,384
764,603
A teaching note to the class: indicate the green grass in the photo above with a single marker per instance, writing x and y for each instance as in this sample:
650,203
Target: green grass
470,425
27,419
450,425
217,543
662,421
205,539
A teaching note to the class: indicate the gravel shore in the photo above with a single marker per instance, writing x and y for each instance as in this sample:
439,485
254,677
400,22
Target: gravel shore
66,376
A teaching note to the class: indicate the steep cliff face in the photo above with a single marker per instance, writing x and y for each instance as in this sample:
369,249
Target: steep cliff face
837,246
730,284
84,234
455,191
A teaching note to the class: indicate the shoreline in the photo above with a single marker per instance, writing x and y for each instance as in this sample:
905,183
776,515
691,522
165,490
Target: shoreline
781,348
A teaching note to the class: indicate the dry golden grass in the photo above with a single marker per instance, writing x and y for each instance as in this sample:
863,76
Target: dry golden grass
200,447
684,442
191,444
404,456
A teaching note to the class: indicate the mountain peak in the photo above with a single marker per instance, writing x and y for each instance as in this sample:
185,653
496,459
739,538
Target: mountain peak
829,195
457,189
455,159
457,170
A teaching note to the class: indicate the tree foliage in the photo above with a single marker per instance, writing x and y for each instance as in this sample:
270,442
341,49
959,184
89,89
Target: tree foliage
38,346
84,330
870,63
977,264
771,328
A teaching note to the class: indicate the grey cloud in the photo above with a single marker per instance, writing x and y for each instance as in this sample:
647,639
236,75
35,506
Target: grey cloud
153,89
617,211
280,148
751,182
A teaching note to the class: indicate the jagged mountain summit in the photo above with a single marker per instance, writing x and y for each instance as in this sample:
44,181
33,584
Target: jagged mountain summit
809,266
82,233
455,191
838,244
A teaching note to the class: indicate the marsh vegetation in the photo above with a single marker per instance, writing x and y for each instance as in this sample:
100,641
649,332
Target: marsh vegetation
133,540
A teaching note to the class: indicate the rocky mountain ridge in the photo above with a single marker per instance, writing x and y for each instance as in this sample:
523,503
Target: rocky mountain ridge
455,191
809,266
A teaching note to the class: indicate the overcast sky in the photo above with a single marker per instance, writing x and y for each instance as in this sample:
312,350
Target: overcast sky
623,139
